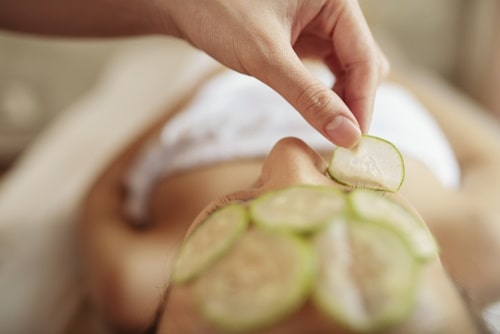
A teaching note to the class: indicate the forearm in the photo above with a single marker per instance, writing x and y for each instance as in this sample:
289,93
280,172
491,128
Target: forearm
89,18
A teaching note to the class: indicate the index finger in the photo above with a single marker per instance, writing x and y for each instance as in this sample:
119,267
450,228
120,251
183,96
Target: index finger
359,63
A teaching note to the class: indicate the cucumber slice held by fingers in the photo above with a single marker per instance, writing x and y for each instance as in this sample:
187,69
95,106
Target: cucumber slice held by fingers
367,275
374,163
373,205
265,277
209,241
298,208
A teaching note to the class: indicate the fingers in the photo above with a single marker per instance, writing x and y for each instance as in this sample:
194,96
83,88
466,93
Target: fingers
357,85
263,46
318,104
324,110
357,62
352,55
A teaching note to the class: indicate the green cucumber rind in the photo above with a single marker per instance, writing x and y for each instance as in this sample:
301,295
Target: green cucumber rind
421,256
348,183
338,314
311,226
296,298
181,277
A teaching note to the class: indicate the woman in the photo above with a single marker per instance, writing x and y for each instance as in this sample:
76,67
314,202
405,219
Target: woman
134,223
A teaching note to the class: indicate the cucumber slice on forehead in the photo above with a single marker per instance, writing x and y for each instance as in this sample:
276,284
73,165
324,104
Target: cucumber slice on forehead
298,208
374,163
209,241
265,277
372,205
367,275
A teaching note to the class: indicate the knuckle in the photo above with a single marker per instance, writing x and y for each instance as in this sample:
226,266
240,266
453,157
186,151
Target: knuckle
315,101
261,55
368,66
373,68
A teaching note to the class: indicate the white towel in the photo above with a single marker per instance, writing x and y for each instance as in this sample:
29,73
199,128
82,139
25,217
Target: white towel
236,116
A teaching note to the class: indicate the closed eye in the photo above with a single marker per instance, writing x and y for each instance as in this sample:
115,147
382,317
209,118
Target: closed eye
236,197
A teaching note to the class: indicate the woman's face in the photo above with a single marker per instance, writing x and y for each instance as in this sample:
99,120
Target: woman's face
438,307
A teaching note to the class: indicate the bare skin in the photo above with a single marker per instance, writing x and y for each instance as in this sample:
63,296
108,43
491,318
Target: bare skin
466,221
117,256
150,250
437,302
263,38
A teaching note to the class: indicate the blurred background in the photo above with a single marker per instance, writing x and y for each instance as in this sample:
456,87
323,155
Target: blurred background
41,78
458,39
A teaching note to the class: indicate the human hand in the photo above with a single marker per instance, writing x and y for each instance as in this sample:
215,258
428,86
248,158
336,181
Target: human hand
266,39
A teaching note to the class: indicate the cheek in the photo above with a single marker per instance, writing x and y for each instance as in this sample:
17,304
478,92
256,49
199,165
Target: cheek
439,307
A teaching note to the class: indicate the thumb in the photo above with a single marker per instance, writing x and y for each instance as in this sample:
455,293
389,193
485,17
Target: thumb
318,104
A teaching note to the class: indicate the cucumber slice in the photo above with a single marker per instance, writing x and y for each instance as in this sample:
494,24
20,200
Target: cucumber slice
265,277
367,275
209,241
374,163
372,205
298,208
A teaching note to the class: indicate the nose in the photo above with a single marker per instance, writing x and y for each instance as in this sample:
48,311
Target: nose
292,162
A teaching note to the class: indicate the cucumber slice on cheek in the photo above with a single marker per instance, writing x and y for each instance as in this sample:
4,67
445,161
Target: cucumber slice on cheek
372,205
209,242
263,279
367,275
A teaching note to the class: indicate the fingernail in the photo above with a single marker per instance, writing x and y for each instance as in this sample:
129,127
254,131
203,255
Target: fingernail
343,132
